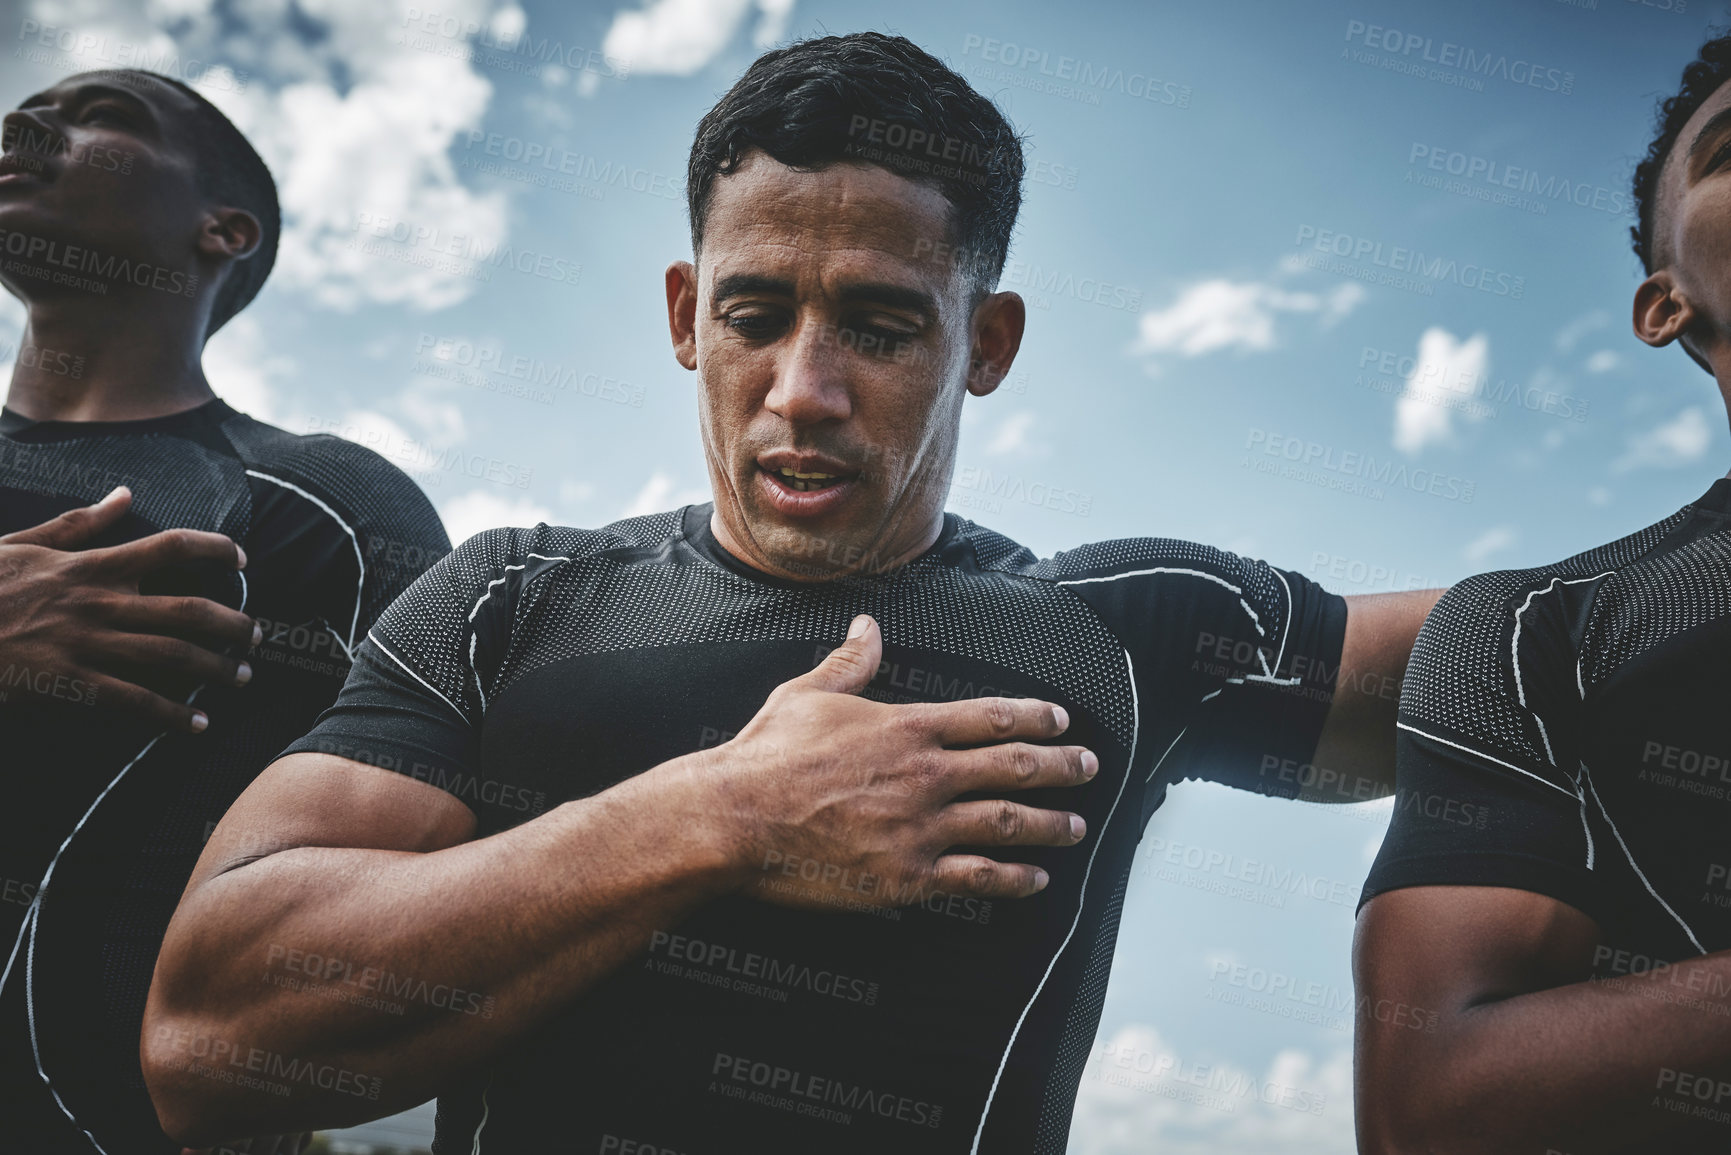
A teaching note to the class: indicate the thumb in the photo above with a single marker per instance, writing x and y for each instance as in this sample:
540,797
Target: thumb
75,526
849,667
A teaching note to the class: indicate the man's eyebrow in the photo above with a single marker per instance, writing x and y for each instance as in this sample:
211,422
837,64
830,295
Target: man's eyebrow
1715,123
745,284
895,296
85,93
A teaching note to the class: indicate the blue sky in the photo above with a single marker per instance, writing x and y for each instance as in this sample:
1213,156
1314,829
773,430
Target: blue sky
1352,285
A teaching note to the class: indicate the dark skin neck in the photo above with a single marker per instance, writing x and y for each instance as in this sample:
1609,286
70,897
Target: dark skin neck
141,358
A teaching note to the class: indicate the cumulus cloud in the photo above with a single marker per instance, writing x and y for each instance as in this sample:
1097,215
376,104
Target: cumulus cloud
1220,314
1603,361
1441,384
244,372
679,37
1012,435
1491,541
1139,1095
354,120
1679,441
467,514
661,493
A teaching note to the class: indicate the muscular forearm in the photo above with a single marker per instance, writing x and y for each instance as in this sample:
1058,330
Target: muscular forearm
1586,1068
272,965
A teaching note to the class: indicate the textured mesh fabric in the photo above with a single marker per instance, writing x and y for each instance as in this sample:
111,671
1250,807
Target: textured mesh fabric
1564,731
333,533
548,663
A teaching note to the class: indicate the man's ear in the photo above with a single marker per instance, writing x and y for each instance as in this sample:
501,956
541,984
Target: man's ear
682,311
1662,312
998,324
229,233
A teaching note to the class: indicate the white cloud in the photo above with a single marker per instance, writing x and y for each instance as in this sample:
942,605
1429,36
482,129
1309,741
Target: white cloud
1679,441
244,372
1604,361
1221,314
661,493
1138,1095
1447,368
1498,537
354,125
1570,335
469,513
1012,435
678,37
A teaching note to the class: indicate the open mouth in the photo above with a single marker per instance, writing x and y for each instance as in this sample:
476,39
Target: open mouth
805,482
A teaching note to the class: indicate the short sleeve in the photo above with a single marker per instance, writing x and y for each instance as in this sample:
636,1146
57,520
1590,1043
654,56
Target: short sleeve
1262,669
1239,657
1486,790
412,702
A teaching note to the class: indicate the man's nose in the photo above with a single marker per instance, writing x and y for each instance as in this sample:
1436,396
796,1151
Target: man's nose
810,379
27,131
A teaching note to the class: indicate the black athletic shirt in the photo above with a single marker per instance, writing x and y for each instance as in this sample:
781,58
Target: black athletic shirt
1566,730
536,666
114,813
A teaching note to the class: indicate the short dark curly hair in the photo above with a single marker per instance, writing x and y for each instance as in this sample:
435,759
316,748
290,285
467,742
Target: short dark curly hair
1701,79
879,99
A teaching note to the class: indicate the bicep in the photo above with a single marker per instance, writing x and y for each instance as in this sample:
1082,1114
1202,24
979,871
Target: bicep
1448,949
309,799
1358,737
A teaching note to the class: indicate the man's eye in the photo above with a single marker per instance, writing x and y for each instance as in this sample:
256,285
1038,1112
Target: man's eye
1720,155
755,325
104,112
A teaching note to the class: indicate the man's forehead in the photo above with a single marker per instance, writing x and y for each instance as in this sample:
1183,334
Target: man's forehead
140,85
766,213
1672,179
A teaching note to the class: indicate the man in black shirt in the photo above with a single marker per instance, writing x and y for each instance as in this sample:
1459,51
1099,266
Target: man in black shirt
1544,945
131,710
613,848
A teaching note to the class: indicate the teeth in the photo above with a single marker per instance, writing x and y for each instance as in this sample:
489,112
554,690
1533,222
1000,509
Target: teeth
786,472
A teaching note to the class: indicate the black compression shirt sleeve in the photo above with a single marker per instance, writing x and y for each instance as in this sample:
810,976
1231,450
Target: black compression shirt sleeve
1485,787
413,701
1262,661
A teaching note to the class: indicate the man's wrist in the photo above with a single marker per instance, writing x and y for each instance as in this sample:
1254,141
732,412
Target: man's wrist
704,821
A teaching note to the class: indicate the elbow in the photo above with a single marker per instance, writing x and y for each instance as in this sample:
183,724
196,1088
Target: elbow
175,1057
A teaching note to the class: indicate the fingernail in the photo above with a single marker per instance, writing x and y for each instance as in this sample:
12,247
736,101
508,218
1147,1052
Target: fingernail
199,722
257,633
243,674
114,493
241,554
1041,878
1061,717
858,626
1077,827
1090,764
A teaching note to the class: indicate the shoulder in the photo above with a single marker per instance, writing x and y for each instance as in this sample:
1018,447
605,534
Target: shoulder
353,485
